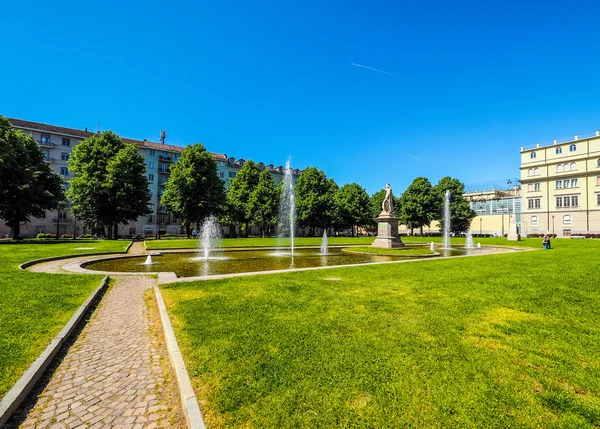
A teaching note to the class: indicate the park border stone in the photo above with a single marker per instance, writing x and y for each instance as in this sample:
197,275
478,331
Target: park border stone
15,396
189,402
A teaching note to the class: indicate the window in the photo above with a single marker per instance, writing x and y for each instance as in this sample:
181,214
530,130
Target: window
65,186
64,156
152,153
558,150
530,172
537,203
151,165
64,171
599,163
558,201
536,171
221,174
559,168
574,183
534,221
536,186
598,199
66,141
573,166
164,168
574,201
558,184
567,220
573,148
231,174
534,203
151,177
62,215
532,155
46,154
566,201
597,180
566,183
45,138
164,154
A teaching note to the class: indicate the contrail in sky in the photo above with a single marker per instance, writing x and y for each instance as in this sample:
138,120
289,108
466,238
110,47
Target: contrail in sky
370,68
412,156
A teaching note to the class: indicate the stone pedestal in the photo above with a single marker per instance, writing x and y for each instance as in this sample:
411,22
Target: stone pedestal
513,233
387,232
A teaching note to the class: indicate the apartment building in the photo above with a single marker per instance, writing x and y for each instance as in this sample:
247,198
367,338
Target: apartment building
57,142
561,186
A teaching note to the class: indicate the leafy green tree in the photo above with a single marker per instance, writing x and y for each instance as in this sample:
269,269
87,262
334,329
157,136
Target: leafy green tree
375,202
110,186
241,189
263,203
28,187
418,204
353,207
315,199
461,213
194,190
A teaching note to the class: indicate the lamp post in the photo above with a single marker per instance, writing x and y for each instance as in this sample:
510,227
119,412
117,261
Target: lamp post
480,233
502,208
552,224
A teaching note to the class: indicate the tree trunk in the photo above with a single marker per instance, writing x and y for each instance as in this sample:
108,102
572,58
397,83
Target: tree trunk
246,228
16,230
116,231
421,229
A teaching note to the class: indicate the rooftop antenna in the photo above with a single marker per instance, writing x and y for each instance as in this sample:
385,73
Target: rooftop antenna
163,136
98,127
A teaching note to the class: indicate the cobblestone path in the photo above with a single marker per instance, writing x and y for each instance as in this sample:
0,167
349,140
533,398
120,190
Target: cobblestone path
116,374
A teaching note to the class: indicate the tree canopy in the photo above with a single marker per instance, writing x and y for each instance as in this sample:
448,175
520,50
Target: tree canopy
194,190
110,186
461,213
28,186
315,198
240,190
418,204
263,202
352,204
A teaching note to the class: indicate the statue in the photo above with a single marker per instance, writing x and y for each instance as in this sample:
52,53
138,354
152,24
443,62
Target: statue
388,202
513,234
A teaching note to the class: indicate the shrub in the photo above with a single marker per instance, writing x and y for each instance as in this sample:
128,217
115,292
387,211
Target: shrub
43,235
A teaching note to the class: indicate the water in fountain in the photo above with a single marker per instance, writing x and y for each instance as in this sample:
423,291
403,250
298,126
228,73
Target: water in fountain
469,241
287,209
324,249
148,260
431,246
478,245
447,220
210,232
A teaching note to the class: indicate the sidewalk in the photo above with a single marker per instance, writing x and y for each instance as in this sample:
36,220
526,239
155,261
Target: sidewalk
117,373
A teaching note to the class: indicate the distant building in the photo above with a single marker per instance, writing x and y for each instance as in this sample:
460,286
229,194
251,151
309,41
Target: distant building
56,144
561,187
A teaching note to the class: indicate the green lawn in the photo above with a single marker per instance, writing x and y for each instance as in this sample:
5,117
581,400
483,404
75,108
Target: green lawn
192,243
35,306
508,340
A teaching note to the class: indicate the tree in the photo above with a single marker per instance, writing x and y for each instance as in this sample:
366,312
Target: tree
194,190
241,188
110,186
315,198
353,208
375,203
28,187
418,204
461,213
263,202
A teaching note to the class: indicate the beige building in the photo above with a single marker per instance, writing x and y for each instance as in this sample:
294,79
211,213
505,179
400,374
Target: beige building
561,186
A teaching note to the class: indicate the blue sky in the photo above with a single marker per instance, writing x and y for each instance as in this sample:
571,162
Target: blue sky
468,82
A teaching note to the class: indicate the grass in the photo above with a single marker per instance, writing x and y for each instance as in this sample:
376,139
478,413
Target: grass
192,243
35,306
507,340
404,251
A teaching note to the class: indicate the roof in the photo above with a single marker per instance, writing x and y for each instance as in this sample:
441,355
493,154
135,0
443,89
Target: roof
74,132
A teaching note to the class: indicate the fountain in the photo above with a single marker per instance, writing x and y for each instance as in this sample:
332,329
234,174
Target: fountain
324,249
469,241
287,208
447,220
479,245
148,260
431,246
209,234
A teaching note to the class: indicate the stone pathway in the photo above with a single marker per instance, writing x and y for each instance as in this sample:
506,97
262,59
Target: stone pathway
117,373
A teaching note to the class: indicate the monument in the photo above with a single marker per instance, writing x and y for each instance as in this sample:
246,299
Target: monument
513,232
387,223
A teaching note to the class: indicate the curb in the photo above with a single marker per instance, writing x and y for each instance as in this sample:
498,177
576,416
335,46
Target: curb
28,264
191,409
23,386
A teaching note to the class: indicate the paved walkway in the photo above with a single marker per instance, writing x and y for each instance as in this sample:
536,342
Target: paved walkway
117,373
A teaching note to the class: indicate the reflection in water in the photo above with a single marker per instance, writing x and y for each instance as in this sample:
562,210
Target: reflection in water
185,265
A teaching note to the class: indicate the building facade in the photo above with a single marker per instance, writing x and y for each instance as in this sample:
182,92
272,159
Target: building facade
561,187
57,143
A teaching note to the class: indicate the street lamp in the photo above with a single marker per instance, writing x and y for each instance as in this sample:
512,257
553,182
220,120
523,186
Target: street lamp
502,207
552,224
480,233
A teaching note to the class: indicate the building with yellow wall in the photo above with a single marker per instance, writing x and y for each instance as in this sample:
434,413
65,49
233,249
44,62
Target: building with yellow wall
561,187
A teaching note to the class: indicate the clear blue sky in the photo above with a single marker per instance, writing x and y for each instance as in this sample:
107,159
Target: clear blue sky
468,83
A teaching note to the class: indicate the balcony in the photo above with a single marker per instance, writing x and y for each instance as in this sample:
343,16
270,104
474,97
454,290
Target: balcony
62,221
164,158
45,143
